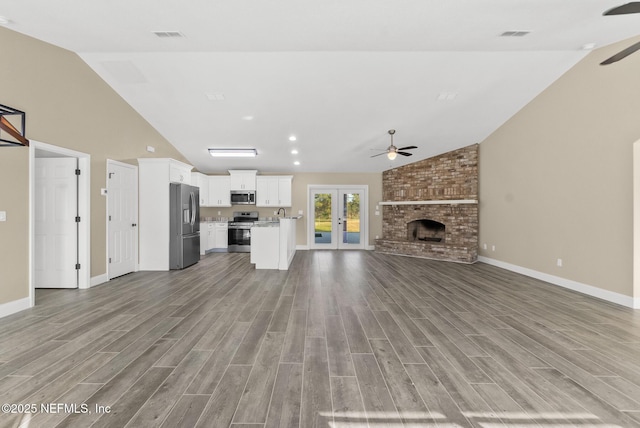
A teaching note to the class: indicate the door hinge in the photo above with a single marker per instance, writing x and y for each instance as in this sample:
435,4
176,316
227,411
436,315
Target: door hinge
78,219
109,259
77,266
109,218
77,172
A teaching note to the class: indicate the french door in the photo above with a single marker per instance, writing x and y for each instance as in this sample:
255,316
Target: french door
338,217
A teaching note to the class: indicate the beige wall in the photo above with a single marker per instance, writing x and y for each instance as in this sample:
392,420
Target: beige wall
66,105
556,179
299,196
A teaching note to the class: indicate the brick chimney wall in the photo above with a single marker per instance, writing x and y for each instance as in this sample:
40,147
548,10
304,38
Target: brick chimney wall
450,176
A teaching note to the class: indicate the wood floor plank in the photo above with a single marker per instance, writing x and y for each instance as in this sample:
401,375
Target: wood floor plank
222,405
348,408
378,404
281,314
254,404
159,405
248,349
294,339
408,402
213,369
316,410
407,353
186,412
340,363
284,409
358,342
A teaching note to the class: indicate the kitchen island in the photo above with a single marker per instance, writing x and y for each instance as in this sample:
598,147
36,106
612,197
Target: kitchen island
273,243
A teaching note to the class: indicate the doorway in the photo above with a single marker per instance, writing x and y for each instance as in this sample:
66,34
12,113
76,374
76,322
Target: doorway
338,217
122,218
54,196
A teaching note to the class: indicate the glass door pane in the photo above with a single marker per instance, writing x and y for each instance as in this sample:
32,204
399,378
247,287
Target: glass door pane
323,218
350,218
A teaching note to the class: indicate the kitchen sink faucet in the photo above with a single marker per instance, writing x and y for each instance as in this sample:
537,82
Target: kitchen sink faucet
283,210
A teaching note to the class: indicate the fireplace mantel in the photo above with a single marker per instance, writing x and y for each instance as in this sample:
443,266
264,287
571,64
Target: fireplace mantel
432,202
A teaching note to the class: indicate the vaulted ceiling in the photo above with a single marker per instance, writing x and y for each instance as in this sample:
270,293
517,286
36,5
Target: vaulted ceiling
337,75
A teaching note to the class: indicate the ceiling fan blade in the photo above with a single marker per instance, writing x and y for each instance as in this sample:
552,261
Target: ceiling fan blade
622,54
633,7
408,148
405,153
379,154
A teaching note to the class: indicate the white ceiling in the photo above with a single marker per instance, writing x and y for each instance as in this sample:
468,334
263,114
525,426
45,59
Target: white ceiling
336,74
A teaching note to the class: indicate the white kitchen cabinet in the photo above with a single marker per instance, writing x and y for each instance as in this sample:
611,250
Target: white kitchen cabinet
155,175
201,181
221,236
204,238
179,172
219,191
243,179
273,191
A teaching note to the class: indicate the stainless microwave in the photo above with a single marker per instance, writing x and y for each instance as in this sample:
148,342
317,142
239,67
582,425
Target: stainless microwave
243,197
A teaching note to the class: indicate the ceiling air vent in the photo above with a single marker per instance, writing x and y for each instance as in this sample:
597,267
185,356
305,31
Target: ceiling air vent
514,33
168,34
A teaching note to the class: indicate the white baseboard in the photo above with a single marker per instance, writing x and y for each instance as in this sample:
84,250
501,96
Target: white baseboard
14,306
302,247
589,290
100,279
370,247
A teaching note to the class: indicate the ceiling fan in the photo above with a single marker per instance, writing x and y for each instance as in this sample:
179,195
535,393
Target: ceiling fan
633,7
392,151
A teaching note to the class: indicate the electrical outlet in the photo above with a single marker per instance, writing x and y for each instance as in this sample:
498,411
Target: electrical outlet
151,149
377,213
3,216
377,237
559,262
219,212
299,212
493,248
484,246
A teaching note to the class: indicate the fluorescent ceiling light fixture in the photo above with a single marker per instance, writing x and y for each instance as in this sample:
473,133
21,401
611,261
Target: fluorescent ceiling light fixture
233,153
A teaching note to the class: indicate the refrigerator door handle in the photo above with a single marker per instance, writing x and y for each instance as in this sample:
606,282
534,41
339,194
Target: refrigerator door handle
193,208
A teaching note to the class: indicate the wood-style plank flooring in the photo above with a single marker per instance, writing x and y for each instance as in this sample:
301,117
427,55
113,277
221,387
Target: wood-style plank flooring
342,339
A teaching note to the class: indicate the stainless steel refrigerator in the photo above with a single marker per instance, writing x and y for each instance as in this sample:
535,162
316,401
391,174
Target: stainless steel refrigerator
184,243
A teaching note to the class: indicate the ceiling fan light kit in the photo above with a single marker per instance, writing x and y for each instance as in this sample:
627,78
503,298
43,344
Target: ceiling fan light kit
392,151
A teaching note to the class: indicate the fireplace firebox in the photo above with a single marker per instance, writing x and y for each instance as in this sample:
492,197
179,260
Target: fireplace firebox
425,230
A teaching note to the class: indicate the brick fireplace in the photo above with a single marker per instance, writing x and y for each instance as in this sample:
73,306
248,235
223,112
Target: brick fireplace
426,212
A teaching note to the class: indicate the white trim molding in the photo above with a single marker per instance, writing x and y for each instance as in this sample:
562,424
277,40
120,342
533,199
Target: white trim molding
99,279
589,290
14,306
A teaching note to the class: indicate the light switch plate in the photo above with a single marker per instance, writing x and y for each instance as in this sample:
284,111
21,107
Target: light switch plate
3,216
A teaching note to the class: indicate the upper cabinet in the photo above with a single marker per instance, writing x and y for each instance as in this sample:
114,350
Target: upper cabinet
179,172
243,179
273,191
219,191
202,181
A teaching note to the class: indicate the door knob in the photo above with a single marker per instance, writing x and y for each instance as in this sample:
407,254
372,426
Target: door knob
134,225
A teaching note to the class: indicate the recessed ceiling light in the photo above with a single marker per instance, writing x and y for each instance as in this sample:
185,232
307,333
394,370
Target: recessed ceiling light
247,117
292,138
233,153
294,152
296,163
588,46
215,96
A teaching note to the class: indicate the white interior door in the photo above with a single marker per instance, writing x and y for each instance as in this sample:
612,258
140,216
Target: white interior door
338,218
55,226
122,218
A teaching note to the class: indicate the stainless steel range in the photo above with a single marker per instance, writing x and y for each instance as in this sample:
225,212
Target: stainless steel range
240,231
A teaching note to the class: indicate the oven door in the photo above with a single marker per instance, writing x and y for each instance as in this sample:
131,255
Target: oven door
239,240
